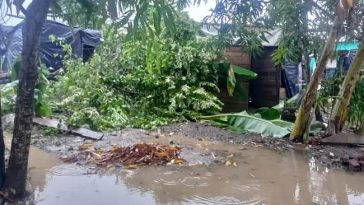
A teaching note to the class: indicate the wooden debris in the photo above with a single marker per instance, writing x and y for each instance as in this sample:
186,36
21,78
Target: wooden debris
354,163
343,139
83,132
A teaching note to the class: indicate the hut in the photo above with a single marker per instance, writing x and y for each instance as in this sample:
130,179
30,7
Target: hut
264,91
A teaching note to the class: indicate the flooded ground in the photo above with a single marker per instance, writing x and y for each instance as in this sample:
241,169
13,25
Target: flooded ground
262,176
265,173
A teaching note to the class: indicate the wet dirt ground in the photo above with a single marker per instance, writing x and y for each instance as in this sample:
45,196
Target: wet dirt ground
221,168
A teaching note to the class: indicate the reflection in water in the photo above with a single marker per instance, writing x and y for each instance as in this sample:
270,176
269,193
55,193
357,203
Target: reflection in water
262,177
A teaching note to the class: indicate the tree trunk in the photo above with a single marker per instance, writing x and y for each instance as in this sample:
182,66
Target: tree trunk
340,110
303,115
2,151
16,174
305,42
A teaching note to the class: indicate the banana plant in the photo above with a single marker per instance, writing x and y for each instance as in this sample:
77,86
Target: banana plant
228,72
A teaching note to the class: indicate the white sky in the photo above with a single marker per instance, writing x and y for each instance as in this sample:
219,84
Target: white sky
199,12
195,12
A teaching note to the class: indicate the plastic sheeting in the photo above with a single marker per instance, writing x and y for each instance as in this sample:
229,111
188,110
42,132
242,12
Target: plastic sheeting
82,41
348,59
290,79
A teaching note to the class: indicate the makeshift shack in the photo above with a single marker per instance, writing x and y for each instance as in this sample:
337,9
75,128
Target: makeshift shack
82,41
264,91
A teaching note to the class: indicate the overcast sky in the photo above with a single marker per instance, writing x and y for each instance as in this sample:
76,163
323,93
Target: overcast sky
196,12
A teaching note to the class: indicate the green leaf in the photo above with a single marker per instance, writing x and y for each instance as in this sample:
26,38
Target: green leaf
241,92
157,22
124,20
231,82
246,73
43,110
14,73
244,122
8,88
283,124
268,113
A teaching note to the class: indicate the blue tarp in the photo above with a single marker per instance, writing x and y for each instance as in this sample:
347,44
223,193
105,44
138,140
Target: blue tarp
82,41
347,46
290,79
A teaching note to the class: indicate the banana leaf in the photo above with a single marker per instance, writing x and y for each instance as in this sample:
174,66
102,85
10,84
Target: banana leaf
228,72
243,122
268,113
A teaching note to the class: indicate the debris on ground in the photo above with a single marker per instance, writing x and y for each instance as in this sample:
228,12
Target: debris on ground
58,124
354,163
201,151
136,155
344,139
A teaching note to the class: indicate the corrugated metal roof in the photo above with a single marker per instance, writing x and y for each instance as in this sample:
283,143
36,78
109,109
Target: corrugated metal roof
272,36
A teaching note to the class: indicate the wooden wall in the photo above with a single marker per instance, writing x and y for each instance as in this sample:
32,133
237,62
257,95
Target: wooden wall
234,104
264,91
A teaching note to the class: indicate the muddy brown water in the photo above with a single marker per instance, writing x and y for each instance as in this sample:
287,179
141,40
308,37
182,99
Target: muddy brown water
261,176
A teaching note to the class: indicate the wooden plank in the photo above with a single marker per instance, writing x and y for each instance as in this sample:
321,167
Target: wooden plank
344,139
83,132
236,56
264,91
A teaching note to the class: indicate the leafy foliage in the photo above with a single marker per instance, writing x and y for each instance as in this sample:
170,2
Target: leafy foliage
9,91
268,113
330,89
356,108
142,82
240,23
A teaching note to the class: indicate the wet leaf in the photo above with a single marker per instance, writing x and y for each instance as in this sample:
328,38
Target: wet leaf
85,146
138,155
131,166
95,155
72,159
228,163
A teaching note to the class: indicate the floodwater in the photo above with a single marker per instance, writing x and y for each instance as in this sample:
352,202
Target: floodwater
261,176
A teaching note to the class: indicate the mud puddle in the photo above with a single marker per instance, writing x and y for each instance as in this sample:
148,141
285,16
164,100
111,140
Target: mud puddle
261,176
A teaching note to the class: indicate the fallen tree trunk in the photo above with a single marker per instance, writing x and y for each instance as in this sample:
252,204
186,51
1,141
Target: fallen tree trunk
302,119
340,110
56,124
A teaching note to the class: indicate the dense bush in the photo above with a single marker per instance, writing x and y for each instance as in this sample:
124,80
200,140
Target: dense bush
140,82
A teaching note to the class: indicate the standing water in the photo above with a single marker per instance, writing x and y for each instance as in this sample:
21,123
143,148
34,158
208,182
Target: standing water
261,177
